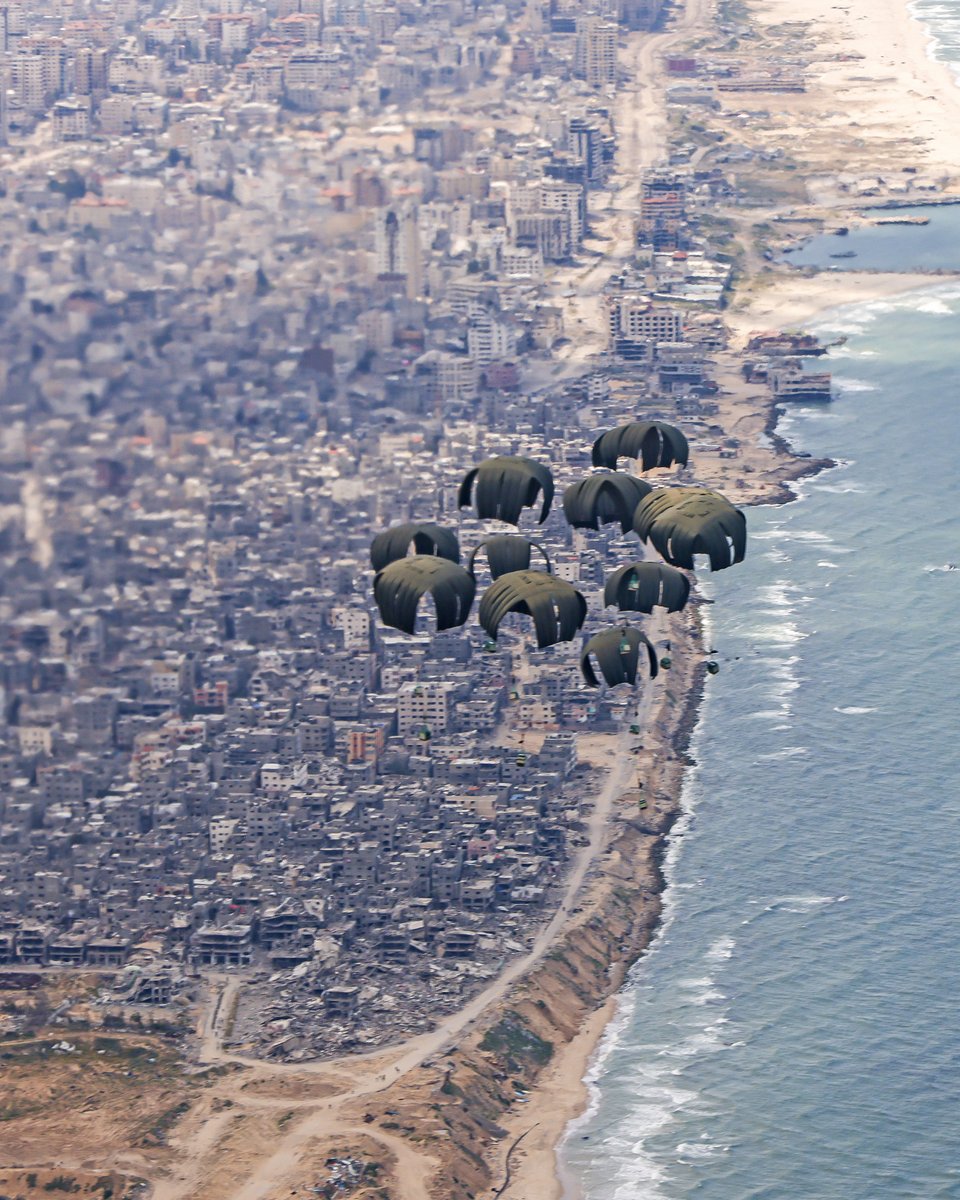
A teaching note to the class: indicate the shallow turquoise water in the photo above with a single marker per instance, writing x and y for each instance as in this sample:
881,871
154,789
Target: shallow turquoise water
793,1035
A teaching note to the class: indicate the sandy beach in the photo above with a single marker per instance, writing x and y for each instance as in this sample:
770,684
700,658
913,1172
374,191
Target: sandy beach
790,302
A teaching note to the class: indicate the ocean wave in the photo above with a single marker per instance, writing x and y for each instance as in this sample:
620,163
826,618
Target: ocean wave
784,634
785,533
853,711
785,684
721,949
708,996
803,904
854,385
704,1041
700,1150
843,489
703,982
945,569
786,752
824,563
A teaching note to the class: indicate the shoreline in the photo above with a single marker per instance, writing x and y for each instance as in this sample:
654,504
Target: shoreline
803,304
777,300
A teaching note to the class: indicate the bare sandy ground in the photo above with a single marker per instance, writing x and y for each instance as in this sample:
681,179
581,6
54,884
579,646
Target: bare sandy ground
894,91
791,301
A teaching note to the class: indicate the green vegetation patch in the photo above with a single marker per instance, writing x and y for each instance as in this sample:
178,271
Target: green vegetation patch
512,1038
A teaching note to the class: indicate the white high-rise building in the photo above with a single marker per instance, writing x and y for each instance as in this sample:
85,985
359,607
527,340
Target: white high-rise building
489,338
595,54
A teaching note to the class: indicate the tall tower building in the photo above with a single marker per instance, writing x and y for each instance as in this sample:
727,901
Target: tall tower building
397,247
4,108
595,54
90,70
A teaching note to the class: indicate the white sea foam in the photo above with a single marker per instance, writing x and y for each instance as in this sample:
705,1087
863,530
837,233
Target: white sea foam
854,385
780,596
708,996
932,306
662,1103
810,535
699,1150
704,1041
843,489
824,563
786,752
784,634
803,904
721,949
853,711
705,981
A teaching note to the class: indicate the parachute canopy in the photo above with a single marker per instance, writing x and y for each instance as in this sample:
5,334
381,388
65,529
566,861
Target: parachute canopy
557,608
639,586
618,655
503,486
599,499
400,586
393,543
684,521
507,552
652,443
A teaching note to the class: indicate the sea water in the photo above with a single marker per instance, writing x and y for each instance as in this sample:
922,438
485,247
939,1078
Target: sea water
934,246
794,1033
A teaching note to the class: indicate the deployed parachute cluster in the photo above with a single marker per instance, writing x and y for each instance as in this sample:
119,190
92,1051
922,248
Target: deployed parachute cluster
679,522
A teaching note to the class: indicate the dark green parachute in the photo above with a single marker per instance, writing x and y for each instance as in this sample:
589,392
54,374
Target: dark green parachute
684,521
652,443
639,586
400,586
503,486
599,499
557,608
393,543
618,656
507,552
